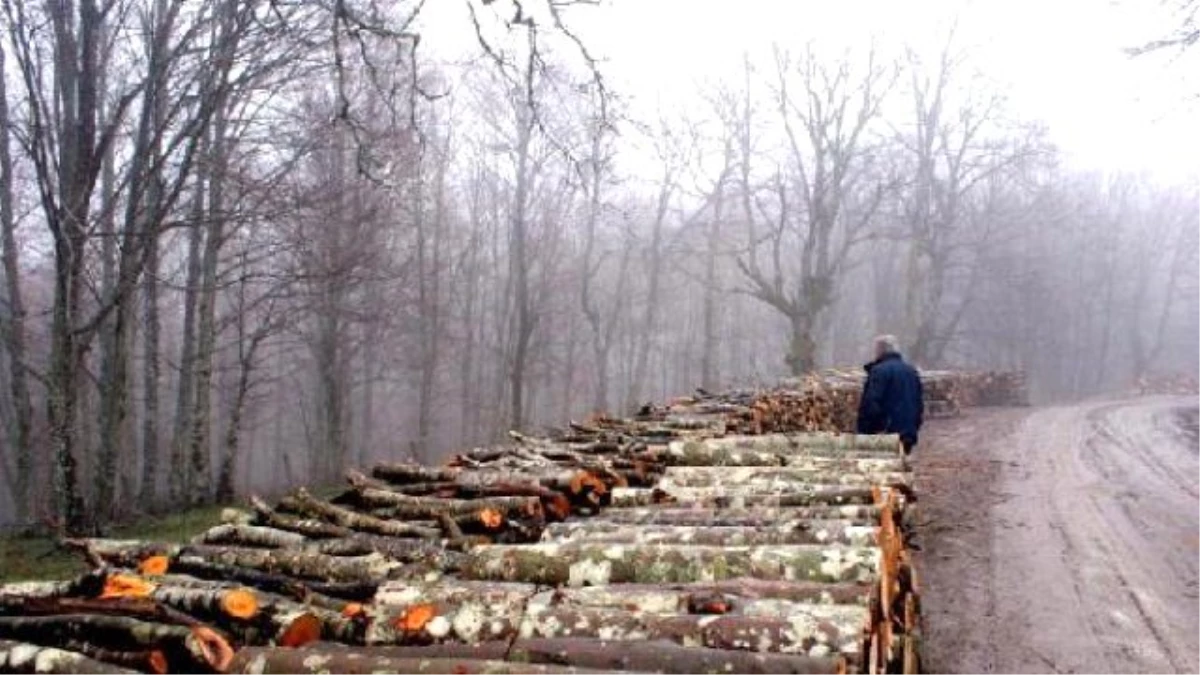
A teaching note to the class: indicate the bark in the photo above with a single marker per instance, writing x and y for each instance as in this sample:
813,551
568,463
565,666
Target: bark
301,564
416,508
314,529
816,630
526,319
783,477
250,535
718,597
13,327
807,532
610,655
799,443
186,648
179,475
253,536
691,453
584,565
757,517
24,657
274,582
773,495
334,659
309,505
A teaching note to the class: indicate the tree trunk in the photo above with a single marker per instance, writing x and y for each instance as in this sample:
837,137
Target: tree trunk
179,476
526,319
802,349
20,434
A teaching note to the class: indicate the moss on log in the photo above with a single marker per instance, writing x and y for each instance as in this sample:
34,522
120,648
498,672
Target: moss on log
332,659
23,657
730,596
815,630
777,477
593,565
795,532
858,514
607,655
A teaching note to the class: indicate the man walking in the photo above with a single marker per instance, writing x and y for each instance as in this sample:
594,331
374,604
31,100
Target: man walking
892,400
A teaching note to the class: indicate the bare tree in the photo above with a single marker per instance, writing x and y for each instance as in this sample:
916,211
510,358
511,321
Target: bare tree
825,110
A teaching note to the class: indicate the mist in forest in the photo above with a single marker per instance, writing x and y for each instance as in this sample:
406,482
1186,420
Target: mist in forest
247,245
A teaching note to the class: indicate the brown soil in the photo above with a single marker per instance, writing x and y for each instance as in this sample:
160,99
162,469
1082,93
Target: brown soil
1060,539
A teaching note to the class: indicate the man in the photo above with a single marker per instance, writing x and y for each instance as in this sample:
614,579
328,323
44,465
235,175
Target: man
892,400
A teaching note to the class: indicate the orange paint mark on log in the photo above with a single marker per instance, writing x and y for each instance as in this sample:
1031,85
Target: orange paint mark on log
304,629
240,603
126,586
154,565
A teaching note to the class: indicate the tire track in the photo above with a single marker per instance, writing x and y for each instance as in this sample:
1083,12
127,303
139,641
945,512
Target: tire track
1094,573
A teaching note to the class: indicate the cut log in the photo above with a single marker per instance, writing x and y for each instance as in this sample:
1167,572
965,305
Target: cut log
271,582
564,653
185,648
776,477
693,598
87,585
855,513
404,474
354,544
772,496
816,630
639,497
23,657
795,532
146,661
301,564
309,505
334,659
803,443
250,535
311,528
409,507
593,565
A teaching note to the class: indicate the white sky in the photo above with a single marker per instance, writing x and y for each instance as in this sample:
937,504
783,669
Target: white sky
1061,61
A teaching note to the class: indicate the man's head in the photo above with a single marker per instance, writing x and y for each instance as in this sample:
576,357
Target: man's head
886,344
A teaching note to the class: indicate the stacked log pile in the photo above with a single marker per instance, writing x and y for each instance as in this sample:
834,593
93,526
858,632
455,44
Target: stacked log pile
1178,384
702,536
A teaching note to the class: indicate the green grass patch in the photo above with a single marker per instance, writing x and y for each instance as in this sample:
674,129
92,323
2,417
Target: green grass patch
36,557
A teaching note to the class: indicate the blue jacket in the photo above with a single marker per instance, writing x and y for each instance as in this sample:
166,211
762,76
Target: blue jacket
892,399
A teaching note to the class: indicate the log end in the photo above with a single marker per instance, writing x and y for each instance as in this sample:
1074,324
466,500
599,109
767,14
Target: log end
211,648
126,586
304,629
155,565
240,603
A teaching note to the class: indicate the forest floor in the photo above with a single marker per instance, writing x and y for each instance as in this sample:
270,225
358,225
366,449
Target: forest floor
1061,539
27,557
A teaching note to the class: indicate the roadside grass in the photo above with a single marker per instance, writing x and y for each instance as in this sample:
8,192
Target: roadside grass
29,557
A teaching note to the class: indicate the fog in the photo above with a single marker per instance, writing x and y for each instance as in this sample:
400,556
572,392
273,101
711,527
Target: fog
247,245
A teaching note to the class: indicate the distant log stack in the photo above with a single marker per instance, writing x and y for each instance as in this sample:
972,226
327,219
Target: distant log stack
1178,384
734,532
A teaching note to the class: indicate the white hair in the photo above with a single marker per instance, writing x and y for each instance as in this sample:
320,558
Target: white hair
886,343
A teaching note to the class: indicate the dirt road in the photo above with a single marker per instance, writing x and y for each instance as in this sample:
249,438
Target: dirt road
1061,539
